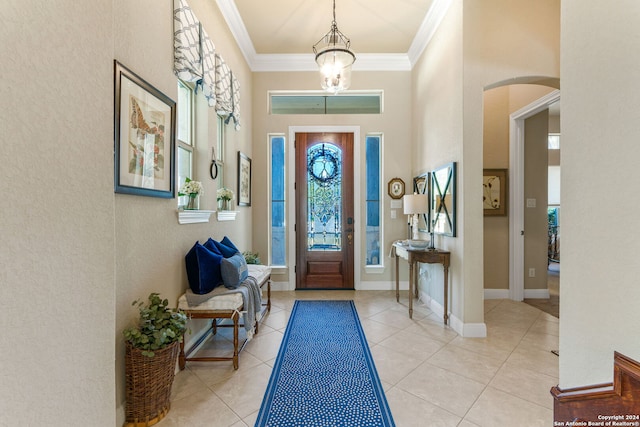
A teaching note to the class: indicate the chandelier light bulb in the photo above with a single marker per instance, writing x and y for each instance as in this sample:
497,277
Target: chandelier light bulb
334,58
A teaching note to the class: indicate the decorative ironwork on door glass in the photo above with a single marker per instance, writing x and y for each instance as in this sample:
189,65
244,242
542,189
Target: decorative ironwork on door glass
324,198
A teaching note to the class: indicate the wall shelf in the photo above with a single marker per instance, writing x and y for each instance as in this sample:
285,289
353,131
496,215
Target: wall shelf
227,215
193,217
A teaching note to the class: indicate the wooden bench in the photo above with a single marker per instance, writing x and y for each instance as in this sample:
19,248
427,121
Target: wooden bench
220,309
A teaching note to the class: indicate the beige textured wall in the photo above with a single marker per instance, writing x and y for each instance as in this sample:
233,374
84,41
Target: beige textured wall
57,266
499,103
535,187
150,244
500,39
394,123
438,134
600,149
503,40
496,156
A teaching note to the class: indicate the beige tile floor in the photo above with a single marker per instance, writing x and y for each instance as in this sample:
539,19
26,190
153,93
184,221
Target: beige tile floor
431,375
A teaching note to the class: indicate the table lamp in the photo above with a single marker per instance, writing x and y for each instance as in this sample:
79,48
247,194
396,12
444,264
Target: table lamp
414,205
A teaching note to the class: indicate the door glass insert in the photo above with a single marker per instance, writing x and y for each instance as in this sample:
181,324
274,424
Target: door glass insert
324,202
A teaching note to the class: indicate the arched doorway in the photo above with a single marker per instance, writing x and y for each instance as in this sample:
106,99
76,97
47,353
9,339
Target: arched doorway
507,105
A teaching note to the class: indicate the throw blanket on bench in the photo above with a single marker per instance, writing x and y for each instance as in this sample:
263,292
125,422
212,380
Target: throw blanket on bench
251,297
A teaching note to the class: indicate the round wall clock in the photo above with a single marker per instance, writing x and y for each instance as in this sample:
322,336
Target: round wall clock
396,188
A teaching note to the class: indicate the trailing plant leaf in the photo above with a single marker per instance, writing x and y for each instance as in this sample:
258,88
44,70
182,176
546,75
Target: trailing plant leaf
158,326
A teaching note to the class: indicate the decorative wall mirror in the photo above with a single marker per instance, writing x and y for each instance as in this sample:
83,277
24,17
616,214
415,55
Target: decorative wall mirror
421,184
443,200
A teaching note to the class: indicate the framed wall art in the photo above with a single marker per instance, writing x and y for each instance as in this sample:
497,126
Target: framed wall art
494,192
144,137
244,180
396,188
443,200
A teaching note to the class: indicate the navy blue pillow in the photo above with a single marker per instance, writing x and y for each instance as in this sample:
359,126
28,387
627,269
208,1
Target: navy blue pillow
203,269
234,270
211,245
225,250
227,242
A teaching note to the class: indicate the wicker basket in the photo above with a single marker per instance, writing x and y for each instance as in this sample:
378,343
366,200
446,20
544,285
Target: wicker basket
148,384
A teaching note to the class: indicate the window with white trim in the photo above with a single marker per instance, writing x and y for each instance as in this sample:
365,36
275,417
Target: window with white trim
373,203
277,208
185,141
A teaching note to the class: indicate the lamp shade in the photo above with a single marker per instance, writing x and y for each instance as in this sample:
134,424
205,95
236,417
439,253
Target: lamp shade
415,204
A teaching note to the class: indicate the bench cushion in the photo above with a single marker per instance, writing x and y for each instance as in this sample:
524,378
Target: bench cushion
226,301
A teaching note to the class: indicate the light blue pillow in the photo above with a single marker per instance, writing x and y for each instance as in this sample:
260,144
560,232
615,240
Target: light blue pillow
234,270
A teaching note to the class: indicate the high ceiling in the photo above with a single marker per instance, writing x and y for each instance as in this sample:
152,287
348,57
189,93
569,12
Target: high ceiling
277,35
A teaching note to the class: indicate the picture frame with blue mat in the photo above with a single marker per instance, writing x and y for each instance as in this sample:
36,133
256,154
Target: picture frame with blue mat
144,143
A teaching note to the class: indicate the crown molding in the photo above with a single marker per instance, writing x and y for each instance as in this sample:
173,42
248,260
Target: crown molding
306,62
238,30
427,29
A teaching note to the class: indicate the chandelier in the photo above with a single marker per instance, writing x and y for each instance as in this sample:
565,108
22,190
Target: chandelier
334,58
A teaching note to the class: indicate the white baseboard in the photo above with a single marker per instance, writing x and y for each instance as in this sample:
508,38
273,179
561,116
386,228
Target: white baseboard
282,286
474,330
496,294
504,293
467,330
536,293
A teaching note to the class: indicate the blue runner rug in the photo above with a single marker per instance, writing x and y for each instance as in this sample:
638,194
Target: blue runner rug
324,374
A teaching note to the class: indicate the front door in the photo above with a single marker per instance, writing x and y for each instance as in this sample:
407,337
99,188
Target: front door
324,211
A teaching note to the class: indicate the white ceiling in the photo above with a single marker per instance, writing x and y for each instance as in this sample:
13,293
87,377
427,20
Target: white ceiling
278,35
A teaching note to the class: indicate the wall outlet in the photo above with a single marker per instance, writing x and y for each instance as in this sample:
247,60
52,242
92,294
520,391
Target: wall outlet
393,214
532,272
531,203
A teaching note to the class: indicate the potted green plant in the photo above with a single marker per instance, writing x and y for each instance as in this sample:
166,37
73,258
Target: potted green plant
251,257
150,360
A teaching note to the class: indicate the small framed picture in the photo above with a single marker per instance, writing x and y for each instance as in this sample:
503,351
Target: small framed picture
244,180
144,137
494,192
396,188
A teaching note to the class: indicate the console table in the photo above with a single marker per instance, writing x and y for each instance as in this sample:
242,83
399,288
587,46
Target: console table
415,256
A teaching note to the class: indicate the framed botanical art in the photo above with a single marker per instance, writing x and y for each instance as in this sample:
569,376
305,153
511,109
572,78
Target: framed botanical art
494,192
144,137
244,180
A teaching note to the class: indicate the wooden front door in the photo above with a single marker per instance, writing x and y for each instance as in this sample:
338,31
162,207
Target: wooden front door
324,211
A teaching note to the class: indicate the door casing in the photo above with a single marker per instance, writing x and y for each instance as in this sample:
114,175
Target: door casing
516,191
325,269
291,197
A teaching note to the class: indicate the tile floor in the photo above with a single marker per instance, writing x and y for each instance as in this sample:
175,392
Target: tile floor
431,375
